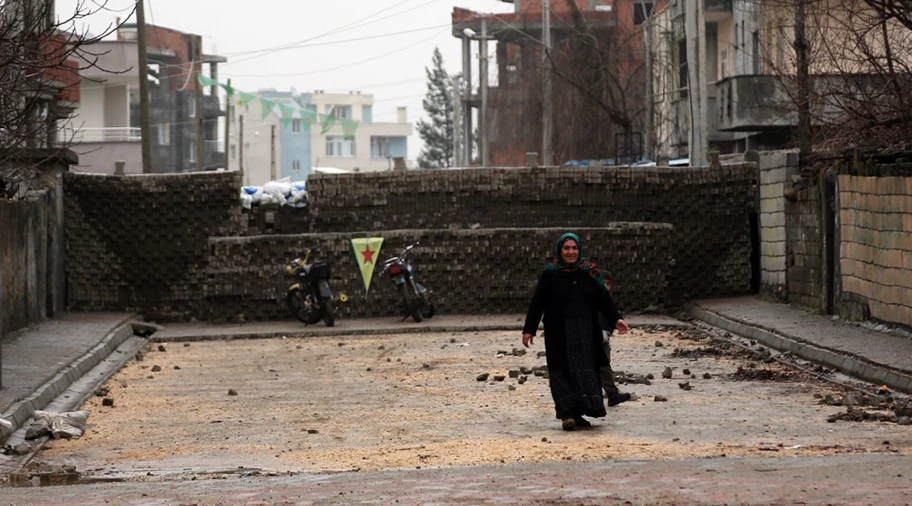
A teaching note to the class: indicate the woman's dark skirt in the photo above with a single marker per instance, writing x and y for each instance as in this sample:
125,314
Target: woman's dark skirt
577,390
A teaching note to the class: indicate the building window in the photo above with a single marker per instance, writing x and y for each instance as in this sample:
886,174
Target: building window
755,42
641,12
296,165
192,104
164,134
682,68
340,111
296,126
192,152
380,147
337,146
723,71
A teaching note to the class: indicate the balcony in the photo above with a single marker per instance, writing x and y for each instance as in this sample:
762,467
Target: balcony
102,134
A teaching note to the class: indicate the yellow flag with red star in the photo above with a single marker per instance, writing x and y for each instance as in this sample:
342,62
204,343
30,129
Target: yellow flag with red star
367,252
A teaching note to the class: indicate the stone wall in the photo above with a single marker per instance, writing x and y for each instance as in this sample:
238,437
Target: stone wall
804,250
776,167
875,215
484,271
141,242
709,208
23,261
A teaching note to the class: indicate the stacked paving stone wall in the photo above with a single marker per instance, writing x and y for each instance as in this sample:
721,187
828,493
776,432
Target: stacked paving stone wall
265,219
709,208
484,271
141,242
875,217
776,169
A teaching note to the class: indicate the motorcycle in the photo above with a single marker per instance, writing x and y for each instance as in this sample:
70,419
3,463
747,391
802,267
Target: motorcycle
416,299
310,299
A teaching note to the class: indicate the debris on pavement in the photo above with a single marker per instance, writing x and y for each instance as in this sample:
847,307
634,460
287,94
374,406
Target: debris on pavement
66,425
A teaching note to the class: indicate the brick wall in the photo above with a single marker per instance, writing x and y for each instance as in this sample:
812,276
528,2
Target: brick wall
709,208
141,243
804,250
875,216
485,271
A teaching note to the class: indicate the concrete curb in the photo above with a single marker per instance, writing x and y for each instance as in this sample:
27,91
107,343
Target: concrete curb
20,412
856,367
404,329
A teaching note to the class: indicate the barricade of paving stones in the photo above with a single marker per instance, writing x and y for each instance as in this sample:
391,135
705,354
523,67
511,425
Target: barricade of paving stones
140,241
709,207
485,271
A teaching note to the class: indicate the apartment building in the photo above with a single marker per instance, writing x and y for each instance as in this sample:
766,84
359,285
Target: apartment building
105,127
275,146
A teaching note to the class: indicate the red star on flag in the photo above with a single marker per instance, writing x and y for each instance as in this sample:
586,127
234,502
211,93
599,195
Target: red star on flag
368,254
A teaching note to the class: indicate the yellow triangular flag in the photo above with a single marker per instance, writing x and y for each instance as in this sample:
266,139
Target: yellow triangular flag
367,252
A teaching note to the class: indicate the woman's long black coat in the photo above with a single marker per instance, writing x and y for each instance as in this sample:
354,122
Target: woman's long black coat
550,299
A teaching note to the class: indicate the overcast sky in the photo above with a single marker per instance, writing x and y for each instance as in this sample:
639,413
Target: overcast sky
389,66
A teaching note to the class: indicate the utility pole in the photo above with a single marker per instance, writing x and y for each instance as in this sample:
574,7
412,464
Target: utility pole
647,42
272,155
228,128
467,76
483,83
546,85
695,31
198,56
456,83
241,145
145,121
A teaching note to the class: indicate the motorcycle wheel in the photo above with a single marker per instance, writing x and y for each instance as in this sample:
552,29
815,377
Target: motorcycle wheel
300,307
329,312
412,305
431,310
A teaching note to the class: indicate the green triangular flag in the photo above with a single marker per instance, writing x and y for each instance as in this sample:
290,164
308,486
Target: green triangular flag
228,89
206,81
348,128
309,117
245,98
267,106
326,122
287,112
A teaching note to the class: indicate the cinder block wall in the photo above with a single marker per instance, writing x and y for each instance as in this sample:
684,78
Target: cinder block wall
139,242
709,208
776,167
875,216
804,250
484,271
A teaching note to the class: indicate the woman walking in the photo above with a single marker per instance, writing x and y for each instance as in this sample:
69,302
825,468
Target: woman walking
570,294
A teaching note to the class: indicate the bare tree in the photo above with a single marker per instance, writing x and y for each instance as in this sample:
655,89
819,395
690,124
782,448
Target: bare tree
41,56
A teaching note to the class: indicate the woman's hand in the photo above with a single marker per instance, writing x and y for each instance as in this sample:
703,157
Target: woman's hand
527,339
622,327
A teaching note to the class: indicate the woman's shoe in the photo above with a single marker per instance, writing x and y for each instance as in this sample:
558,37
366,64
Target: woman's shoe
581,422
568,424
615,399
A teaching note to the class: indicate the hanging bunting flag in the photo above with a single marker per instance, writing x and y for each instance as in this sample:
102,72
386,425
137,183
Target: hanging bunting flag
287,112
206,81
348,128
245,98
326,123
309,117
266,106
367,251
228,89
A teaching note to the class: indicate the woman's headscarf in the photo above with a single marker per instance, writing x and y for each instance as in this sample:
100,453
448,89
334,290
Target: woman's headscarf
582,263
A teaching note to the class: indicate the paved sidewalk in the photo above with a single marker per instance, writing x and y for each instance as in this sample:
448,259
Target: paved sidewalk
864,353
